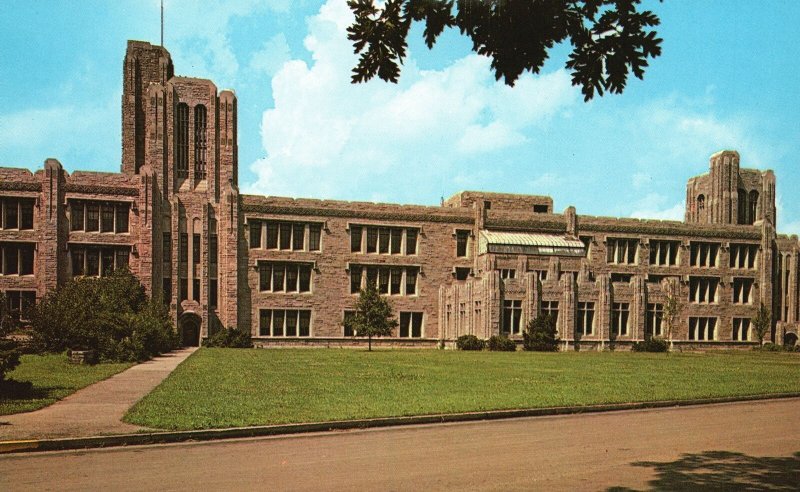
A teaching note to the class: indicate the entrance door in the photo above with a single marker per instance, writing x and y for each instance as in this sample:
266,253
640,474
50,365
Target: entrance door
190,331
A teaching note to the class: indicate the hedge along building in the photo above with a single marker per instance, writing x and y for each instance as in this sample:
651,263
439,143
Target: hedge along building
289,270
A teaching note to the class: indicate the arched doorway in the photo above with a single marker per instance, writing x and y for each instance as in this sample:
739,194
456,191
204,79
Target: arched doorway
790,340
189,330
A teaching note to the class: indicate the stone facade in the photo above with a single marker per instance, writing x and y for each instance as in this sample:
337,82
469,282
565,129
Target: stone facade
289,270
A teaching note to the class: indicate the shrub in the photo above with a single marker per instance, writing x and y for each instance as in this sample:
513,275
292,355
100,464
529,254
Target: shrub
540,335
229,338
653,344
9,348
469,342
110,315
501,344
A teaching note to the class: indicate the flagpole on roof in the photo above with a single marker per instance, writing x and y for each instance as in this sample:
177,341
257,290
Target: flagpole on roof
162,23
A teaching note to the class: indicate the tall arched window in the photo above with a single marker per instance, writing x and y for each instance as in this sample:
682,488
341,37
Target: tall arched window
753,207
701,205
182,141
742,207
199,142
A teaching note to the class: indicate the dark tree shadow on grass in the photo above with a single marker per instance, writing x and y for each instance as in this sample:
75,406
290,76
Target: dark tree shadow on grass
724,470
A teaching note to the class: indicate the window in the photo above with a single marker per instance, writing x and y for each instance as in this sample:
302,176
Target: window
540,209
540,274
284,277
20,303
743,255
664,253
753,207
387,280
272,235
512,315
184,289
586,318
182,141
742,215
355,239
122,214
76,210
255,234
16,213
284,323
347,323
166,290
703,290
655,315
462,239
410,325
106,218
621,277
704,254
285,235
462,273
314,234
621,251
213,249
742,290
94,261
411,241
298,236
196,290
196,249
702,328
550,308
383,240
620,314
741,329
16,258
184,247
92,217
508,273
701,203
200,142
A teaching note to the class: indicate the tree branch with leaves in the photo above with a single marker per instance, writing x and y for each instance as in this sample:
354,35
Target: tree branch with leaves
610,39
373,316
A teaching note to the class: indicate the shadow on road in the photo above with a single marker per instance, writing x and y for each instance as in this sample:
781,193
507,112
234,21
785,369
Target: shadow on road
724,470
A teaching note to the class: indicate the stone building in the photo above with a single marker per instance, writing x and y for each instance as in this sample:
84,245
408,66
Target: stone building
289,270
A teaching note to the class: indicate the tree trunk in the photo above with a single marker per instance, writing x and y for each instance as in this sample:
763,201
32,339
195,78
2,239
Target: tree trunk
369,343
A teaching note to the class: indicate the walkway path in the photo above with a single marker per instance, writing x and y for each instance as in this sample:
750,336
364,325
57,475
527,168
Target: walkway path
96,409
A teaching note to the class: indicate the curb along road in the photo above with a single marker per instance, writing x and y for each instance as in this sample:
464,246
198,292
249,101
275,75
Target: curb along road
24,446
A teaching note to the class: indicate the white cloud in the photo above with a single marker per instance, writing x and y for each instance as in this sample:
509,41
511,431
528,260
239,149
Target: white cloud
272,55
641,180
544,183
656,206
329,138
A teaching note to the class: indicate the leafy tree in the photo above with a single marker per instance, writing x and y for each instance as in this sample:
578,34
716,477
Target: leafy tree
373,316
671,315
111,315
9,348
609,38
762,322
540,335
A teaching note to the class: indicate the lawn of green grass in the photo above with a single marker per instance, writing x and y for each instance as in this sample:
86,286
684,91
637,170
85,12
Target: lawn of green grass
53,378
236,387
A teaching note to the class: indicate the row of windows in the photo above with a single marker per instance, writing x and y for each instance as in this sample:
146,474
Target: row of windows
16,258
16,213
383,240
92,216
20,303
391,280
289,236
624,251
96,261
297,323
284,277
182,141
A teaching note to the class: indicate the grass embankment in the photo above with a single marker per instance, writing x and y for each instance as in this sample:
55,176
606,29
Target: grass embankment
53,378
235,387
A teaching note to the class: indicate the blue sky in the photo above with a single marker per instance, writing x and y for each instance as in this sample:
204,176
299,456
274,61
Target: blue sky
728,79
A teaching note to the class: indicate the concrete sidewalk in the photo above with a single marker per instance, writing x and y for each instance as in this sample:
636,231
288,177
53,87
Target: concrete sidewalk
96,409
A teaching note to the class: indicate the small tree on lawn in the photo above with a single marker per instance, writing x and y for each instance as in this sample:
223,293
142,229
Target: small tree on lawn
762,322
540,335
373,316
671,315
9,351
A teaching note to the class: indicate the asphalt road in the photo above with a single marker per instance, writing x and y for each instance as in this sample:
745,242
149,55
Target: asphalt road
754,445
